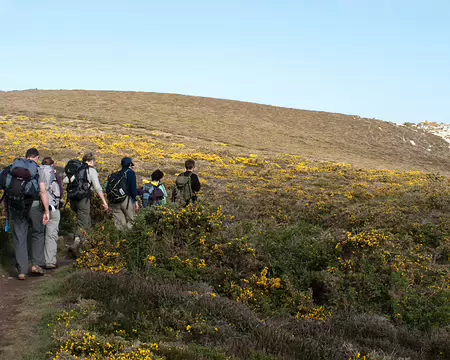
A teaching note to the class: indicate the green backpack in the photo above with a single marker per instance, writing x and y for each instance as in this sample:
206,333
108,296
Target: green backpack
182,193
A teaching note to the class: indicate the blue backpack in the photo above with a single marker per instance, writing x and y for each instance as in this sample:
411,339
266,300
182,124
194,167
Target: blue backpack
152,195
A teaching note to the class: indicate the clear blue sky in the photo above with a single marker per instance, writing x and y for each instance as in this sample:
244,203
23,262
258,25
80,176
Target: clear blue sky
374,58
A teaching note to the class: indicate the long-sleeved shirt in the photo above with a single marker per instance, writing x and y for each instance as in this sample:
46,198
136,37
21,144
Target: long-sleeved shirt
131,183
94,180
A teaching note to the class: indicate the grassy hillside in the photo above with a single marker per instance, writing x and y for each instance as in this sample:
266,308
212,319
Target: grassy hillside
317,135
285,257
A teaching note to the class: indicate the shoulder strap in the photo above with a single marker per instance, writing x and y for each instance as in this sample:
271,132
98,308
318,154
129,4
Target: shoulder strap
87,173
50,172
189,178
124,173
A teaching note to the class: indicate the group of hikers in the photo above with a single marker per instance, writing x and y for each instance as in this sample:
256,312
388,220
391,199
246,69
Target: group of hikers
33,195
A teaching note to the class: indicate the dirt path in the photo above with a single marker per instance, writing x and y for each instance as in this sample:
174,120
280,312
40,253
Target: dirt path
13,294
22,306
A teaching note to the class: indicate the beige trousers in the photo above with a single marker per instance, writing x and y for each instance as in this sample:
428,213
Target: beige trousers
51,238
124,214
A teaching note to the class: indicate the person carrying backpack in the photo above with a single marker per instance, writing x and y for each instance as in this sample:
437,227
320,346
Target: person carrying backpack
121,190
143,192
81,178
25,202
55,193
154,193
186,186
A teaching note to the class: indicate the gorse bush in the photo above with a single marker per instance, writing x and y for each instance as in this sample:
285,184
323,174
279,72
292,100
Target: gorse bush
166,232
386,273
300,252
102,251
193,244
68,221
157,313
299,272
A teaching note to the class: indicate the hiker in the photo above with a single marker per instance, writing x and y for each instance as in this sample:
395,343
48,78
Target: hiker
55,193
25,202
122,191
143,192
81,178
154,192
186,186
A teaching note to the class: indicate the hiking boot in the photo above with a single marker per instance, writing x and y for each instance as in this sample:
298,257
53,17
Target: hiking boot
74,248
37,270
75,245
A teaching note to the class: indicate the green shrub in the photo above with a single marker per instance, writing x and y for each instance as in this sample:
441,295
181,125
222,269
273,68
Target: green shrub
299,252
6,247
189,320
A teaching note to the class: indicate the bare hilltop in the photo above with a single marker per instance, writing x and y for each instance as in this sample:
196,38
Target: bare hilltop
251,127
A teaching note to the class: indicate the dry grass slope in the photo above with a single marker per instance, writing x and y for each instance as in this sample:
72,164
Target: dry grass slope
257,128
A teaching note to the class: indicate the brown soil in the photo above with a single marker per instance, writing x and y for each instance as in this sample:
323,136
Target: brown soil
13,294
21,310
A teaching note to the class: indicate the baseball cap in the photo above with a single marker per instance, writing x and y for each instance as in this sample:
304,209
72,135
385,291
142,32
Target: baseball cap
126,161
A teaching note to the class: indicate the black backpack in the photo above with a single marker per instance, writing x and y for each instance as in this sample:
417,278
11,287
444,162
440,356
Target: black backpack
72,166
116,187
3,175
79,186
20,182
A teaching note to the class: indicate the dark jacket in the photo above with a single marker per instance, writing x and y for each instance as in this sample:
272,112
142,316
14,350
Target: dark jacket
195,182
131,182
